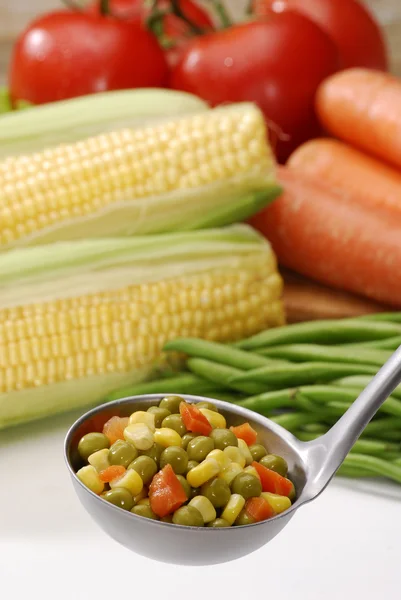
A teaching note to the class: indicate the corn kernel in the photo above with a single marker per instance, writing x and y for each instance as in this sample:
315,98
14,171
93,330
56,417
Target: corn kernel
167,437
230,472
207,469
139,435
278,503
100,459
233,508
221,458
90,477
243,446
205,508
140,416
144,501
216,420
251,471
131,480
235,455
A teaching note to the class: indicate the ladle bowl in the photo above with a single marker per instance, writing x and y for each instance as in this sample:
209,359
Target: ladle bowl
311,467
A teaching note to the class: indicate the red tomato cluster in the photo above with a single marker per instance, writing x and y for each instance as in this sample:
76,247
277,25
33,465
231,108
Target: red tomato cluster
276,59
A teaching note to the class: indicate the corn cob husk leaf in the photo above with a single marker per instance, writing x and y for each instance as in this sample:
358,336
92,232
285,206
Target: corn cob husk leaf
80,320
204,170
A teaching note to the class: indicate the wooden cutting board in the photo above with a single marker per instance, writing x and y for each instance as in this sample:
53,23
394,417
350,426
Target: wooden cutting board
306,300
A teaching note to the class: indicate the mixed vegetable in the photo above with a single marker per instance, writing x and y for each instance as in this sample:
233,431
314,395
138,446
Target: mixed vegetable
181,463
303,377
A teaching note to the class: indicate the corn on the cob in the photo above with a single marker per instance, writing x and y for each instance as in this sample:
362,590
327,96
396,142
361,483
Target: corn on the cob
80,321
72,120
183,174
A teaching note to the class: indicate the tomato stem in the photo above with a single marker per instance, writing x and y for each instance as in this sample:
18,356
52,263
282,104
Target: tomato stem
72,5
222,14
177,10
104,7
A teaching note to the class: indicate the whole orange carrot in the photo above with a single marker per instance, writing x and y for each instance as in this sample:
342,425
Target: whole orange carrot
349,172
363,107
332,240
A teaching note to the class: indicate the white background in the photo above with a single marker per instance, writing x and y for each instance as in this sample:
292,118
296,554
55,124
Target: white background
346,545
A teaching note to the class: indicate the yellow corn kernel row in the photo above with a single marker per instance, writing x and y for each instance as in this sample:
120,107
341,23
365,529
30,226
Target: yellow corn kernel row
73,182
122,330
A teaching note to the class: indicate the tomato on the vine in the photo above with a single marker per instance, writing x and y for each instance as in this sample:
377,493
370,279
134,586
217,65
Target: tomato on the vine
70,53
172,30
277,63
348,22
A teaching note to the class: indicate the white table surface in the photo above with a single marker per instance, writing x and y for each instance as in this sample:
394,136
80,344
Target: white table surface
346,545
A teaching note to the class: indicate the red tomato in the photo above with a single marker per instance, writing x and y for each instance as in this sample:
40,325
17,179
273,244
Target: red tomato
277,63
175,31
348,22
66,54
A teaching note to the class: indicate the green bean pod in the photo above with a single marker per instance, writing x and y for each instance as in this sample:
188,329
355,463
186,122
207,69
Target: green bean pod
277,376
323,332
377,466
268,402
314,352
360,382
219,353
221,375
386,317
353,472
386,344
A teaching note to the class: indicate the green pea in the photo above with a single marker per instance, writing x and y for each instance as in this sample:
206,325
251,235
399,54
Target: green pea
143,510
120,497
122,453
160,414
208,405
145,467
248,486
92,442
218,491
258,451
192,464
223,438
186,486
199,448
189,516
244,519
172,403
187,438
175,422
176,457
219,523
167,519
275,463
154,452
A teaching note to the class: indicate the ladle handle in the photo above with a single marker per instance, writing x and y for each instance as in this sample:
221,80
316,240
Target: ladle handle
329,451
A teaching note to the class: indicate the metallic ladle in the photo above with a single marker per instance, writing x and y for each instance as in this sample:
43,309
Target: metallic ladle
311,467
